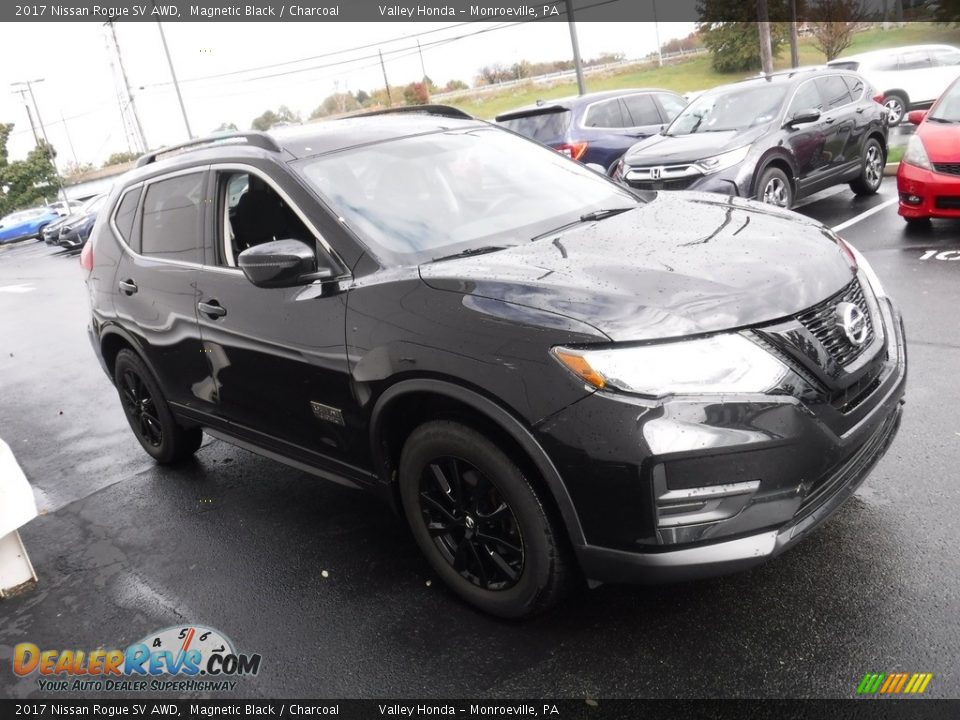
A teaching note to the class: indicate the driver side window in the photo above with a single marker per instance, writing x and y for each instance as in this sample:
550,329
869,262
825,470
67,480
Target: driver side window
251,213
807,98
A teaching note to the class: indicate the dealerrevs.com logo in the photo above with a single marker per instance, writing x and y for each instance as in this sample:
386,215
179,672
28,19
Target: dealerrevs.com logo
177,659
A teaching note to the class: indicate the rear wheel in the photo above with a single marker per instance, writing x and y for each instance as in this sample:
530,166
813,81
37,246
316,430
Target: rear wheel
148,413
896,105
871,170
774,188
481,523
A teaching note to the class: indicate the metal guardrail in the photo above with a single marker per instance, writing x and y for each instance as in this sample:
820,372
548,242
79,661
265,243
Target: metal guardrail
561,75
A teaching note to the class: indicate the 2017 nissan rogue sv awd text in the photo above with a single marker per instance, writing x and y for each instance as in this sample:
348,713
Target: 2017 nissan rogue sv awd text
553,378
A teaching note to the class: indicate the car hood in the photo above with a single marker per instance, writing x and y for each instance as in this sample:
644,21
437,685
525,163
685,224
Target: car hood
941,141
682,264
668,150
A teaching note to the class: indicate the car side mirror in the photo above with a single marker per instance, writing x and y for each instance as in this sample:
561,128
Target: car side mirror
285,263
916,117
803,116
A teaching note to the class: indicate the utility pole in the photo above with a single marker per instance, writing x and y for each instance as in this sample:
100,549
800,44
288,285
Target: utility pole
794,40
126,84
46,142
577,64
763,25
33,127
423,69
66,131
385,82
173,74
656,32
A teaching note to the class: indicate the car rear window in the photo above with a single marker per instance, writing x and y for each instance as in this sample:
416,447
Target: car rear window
125,213
547,126
172,211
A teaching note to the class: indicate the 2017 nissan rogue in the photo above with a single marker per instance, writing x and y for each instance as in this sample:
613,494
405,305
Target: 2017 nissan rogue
553,378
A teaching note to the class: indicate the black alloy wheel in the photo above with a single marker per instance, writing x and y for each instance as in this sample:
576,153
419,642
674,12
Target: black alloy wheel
472,526
149,415
481,523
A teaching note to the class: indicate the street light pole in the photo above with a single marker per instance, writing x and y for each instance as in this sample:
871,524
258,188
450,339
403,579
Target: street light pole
577,64
173,74
126,84
46,141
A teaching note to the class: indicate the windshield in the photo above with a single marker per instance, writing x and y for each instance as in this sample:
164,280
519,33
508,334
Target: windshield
730,109
424,197
92,205
947,108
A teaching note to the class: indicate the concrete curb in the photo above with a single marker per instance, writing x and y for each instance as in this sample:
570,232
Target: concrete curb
890,169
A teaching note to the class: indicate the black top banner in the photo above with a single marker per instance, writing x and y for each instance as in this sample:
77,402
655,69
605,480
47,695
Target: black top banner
485,709
467,10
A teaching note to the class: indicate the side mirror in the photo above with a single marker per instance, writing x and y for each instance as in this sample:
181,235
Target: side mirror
284,263
916,117
803,116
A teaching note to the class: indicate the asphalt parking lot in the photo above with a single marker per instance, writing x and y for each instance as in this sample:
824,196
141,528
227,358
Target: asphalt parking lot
241,543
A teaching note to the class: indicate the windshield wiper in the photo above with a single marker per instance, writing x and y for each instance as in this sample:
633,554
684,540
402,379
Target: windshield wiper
586,217
470,251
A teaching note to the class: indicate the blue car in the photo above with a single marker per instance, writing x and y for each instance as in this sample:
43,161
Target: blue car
596,128
26,224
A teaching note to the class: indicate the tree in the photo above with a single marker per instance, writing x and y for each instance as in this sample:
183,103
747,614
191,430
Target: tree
74,169
416,94
226,127
833,23
735,43
25,183
362,96
270,118
455,85
119,158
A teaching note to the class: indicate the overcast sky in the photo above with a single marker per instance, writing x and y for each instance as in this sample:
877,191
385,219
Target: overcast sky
75,61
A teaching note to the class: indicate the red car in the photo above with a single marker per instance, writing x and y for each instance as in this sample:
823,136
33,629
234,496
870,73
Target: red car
928,178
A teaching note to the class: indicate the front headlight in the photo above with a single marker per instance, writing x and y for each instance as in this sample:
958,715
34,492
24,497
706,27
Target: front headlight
916,154
719,364
722,162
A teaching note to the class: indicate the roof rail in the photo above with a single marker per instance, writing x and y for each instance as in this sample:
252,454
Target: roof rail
256,139
440,110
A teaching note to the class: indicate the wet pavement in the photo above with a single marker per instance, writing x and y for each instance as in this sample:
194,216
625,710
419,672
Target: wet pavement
240,543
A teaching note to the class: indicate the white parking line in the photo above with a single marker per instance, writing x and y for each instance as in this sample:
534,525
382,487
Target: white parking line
864,215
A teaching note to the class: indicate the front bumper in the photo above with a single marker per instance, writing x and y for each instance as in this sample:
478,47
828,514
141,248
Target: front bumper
779,467
927,194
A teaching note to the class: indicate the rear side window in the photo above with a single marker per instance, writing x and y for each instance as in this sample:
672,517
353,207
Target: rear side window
887,64
606,114
172,212
544,127
125,214
672,105
915,60
946,57
642,109
855,85
833,91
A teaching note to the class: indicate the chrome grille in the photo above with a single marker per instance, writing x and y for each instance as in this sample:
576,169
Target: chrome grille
821,321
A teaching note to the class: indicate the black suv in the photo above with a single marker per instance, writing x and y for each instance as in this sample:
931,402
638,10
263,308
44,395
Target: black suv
550,377
776,138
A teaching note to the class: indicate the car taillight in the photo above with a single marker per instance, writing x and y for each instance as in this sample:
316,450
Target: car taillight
86,256
574,151
878,99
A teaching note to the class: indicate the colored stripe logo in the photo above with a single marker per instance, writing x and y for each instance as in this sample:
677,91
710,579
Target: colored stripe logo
894,683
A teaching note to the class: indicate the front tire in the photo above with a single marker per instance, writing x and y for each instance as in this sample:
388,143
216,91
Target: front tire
481,523
871,170
149,415
774,188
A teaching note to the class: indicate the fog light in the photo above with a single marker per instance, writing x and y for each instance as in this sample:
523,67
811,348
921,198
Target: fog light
909,199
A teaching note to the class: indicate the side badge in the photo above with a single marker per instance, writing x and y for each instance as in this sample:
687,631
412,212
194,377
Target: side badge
327,413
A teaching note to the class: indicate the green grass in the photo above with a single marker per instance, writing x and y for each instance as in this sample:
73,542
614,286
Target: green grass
895,153
696,73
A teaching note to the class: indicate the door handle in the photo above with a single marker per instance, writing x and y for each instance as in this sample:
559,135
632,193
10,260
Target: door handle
127,287
212,309
829,120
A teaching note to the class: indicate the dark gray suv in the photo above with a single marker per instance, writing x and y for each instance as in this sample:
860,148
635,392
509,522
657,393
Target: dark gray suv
776,138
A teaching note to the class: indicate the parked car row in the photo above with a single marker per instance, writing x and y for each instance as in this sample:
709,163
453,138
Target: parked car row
73,230
47,224
25,224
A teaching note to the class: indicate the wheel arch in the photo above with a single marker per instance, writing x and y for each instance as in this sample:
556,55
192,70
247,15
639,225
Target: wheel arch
405,405
113,339
778,161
